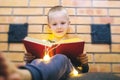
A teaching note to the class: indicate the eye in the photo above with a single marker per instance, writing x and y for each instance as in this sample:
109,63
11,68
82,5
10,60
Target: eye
62,23
54,24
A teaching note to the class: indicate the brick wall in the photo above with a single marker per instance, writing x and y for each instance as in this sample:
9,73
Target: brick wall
102,57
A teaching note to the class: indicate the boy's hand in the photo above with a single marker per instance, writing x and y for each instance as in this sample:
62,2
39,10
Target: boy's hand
28,57
83,58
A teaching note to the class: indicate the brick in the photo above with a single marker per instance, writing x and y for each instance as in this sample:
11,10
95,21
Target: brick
91,12
16,47
97,48
37,20
114,12
15,56
46,11
5,11
116,38
71,29
71,11
46,29
3,46
83,29
103,20
116,20
114,4
19,19
99,68
115,29
3,37
35,28
106,3
90,57
85,37
5,19
107,57
115,67
4,28
100,4
14,3
12,19
80,20
28,11
115,47
44,2
76,3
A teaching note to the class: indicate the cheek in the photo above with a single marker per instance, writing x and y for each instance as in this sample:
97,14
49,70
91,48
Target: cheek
53,29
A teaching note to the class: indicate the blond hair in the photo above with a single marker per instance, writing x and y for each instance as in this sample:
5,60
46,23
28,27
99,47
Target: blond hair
56,9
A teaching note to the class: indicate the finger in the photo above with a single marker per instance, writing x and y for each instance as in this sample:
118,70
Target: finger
29,58
82,55
29,54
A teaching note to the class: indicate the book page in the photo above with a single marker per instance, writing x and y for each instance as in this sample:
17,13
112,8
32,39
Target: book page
71,40
42,42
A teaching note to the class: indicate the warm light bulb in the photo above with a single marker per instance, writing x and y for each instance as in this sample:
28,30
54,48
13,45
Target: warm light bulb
46,57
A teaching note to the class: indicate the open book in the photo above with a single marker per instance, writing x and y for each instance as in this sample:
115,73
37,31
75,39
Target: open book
72,48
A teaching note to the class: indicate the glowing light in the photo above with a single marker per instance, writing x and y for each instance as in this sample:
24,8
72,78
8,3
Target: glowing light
44,40
46,57
75,72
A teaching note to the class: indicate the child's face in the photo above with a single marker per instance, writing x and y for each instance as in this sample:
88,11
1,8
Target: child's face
59,24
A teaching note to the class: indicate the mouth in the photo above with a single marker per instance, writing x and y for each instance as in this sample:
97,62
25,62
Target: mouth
59,31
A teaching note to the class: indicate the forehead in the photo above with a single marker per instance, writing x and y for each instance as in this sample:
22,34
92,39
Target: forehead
58,15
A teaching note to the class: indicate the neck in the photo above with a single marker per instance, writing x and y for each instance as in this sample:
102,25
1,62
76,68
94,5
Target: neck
56,39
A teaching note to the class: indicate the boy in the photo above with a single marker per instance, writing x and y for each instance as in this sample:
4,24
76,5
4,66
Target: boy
59,65
58,22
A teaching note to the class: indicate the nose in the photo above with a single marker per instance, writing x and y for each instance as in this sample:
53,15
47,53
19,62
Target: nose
59,26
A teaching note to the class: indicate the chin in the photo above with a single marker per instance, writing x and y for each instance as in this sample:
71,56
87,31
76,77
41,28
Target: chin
60,36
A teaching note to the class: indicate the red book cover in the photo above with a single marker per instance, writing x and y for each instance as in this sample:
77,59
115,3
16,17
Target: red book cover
71,48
